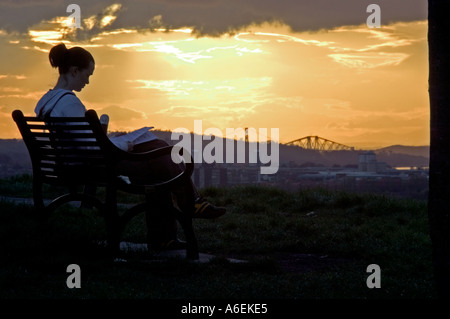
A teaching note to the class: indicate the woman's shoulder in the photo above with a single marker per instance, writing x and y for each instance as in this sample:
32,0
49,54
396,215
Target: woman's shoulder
70,105
49,100
54,95
64,103
68,96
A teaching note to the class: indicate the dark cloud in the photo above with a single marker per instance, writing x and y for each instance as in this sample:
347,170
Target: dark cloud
216,16
219,16
27,3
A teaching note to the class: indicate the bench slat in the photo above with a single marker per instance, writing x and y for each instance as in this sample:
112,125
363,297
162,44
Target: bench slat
46,152
55,119
68,143
60,127
64,134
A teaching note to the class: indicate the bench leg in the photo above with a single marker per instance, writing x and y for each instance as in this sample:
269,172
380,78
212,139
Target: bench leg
161,224
153,211
191,240
38,200
89,190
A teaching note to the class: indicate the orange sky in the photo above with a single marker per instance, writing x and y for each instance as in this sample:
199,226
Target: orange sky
355,85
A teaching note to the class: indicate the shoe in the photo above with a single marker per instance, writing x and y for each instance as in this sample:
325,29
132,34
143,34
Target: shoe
206,210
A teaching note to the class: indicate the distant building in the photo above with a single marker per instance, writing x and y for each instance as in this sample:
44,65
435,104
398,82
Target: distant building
367,162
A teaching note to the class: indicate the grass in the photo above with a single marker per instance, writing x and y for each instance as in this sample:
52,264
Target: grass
310,244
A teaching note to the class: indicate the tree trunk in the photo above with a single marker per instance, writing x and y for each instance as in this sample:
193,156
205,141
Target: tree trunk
439,183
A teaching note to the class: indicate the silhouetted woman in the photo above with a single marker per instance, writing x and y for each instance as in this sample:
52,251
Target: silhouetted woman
76,65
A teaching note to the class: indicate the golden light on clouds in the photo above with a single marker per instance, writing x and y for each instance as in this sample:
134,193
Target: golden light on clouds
52,32
368,60
109,15
352,84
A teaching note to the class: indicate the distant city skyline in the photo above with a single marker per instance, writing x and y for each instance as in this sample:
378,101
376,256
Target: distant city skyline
307,68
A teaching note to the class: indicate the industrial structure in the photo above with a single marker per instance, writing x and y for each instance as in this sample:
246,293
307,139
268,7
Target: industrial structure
319,144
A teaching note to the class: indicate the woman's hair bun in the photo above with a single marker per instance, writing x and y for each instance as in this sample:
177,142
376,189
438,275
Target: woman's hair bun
62,58
58,55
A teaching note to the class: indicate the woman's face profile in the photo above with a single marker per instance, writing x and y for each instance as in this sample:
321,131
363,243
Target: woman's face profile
81,77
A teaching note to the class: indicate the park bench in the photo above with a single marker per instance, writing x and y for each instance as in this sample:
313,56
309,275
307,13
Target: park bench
76,153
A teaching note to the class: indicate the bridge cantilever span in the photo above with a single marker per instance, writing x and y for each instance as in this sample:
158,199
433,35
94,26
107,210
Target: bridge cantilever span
320,144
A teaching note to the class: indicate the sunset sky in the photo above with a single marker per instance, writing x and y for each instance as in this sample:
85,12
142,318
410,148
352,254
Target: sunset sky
305,67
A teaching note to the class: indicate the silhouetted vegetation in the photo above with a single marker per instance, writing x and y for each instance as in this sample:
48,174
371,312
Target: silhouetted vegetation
313,243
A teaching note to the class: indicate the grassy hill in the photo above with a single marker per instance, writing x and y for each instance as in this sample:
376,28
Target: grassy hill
310,244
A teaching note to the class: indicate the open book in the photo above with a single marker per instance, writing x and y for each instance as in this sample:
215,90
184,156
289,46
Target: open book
127,141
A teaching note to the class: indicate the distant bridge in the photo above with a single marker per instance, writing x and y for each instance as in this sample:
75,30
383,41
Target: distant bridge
320,144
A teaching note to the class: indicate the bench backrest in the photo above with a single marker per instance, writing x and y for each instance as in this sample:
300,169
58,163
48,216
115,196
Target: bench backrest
66,150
